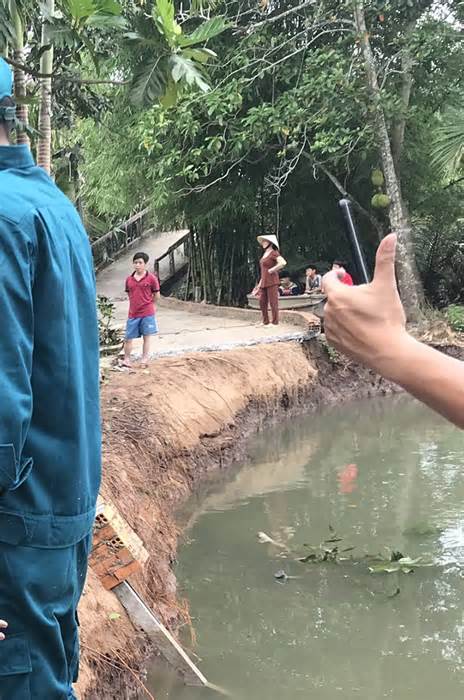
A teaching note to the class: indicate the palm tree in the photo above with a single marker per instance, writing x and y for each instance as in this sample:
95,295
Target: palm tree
448,148
19,75
12,14
76,14
44,142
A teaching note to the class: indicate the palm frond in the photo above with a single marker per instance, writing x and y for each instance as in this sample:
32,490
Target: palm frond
448,148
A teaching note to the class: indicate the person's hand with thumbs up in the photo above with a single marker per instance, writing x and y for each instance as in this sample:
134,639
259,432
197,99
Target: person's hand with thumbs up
368,324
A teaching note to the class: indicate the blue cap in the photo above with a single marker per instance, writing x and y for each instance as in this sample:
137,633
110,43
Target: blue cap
6,79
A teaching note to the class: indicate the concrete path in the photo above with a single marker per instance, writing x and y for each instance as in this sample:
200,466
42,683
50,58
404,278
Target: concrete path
182,331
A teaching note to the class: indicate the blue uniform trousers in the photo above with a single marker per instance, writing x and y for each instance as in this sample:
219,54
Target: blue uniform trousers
39,593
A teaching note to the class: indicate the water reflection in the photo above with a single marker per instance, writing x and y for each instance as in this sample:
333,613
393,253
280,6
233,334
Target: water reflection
337,631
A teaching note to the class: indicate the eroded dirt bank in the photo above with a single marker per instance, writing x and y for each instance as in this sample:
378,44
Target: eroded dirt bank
164,428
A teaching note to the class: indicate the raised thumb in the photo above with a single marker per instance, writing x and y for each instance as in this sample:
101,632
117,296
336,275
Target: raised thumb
384,272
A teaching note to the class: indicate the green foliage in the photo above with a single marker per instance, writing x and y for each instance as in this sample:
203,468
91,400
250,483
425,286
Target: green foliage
404,565
236,132
83,11
288,105
334,550
7,31
333,355
205,32
73,24
448,151
170,58
111,41
455,317
109,336
113,187
150,81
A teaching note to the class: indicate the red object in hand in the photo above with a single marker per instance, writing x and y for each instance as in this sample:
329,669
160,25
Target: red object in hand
345,278
347,478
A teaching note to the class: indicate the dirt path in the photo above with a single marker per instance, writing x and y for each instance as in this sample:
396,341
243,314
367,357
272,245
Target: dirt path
182,330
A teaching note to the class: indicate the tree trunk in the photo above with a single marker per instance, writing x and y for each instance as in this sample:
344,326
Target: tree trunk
399,127
410,289
44,143
231,274
201,259
19,75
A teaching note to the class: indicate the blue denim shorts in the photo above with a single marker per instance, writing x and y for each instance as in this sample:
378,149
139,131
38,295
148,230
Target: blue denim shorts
138,327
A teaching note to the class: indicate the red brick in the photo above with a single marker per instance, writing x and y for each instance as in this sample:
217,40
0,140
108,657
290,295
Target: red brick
126,571
103,555
97,552
109,582
125,557
105,533
101,569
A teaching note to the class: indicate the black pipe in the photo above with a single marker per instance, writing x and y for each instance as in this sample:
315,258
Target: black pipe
352,235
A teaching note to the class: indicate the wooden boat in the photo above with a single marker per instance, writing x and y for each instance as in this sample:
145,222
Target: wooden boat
314,303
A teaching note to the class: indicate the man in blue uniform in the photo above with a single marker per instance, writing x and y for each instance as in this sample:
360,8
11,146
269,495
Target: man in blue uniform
49,422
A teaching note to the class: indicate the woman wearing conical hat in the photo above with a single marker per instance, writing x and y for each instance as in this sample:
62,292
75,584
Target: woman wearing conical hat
270,264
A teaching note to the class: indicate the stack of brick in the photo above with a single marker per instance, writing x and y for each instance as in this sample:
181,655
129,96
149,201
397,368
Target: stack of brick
117,551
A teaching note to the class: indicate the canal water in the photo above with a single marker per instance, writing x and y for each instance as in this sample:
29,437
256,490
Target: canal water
381,476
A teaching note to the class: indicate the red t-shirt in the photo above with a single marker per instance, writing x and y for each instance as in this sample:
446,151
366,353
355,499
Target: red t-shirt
141,295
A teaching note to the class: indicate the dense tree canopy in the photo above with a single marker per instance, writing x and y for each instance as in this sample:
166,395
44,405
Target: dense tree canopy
289,125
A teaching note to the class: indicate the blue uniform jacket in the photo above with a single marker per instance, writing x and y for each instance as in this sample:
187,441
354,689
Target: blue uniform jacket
49,378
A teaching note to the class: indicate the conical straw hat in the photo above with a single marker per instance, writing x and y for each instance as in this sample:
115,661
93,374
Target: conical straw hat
271,238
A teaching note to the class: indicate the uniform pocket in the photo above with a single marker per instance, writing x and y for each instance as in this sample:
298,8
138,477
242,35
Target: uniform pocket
15,668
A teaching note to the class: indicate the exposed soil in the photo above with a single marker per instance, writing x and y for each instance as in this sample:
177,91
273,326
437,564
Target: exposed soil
164,428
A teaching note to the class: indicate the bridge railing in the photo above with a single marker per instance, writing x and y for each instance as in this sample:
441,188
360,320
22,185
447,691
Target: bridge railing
177,259
108,247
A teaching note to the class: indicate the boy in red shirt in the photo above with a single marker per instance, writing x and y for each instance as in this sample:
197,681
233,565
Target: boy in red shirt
143,289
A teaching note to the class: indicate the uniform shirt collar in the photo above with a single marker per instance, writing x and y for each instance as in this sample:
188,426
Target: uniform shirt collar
15,157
